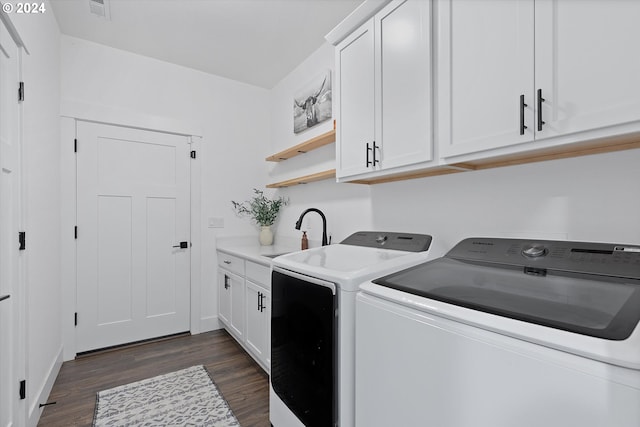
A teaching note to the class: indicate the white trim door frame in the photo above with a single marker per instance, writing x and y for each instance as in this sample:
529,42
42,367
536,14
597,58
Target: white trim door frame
13,294
69,209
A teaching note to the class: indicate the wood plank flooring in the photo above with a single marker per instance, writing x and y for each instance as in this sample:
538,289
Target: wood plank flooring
242,382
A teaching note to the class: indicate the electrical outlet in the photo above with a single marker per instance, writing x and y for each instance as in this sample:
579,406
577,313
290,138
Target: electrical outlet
216,222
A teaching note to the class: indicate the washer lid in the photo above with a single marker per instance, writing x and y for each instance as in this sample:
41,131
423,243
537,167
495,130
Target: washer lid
586,304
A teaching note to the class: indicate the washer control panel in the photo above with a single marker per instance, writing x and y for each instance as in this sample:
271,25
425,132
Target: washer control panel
608,259
407,242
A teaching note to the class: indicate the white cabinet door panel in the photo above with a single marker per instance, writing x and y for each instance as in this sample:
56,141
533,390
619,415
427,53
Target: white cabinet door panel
586,64
258,318
486,62
237,287
355,109
403,76
224,297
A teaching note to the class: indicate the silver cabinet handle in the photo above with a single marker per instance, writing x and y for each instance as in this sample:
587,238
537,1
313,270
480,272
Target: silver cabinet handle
227,261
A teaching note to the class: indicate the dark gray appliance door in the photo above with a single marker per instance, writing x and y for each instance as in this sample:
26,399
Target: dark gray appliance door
304,347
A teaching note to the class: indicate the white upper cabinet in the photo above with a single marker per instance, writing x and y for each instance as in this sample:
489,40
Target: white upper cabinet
383,75
403,83
587,64
355,106
511,72
485,57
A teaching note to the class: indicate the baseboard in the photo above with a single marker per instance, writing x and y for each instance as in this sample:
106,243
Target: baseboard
210,323
43,394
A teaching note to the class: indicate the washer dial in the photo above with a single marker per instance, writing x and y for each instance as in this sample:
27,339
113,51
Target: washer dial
534,250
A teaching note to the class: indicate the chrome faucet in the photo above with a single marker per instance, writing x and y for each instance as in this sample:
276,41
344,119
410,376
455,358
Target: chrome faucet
324,224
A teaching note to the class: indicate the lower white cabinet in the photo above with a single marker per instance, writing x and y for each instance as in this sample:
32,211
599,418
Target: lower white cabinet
244,304
258,309
231,302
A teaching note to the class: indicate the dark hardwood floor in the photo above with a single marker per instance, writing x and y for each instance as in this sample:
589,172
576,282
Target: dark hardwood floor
242,382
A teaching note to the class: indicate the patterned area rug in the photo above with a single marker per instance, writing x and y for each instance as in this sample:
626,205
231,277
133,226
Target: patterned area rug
183,398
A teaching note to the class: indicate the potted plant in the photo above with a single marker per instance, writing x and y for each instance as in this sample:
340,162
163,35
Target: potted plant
263,211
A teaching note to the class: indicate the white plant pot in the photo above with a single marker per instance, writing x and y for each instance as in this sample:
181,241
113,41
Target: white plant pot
266,235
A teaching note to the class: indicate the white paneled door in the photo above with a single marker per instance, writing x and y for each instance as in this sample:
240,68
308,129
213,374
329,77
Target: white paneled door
133,276
12,292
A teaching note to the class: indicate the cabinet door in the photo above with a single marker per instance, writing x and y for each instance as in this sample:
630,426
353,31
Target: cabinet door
587,64
224,297
485,63
237,305
355,94
257,326
231,302
403,83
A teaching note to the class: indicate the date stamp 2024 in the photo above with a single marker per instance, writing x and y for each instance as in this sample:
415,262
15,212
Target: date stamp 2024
24,8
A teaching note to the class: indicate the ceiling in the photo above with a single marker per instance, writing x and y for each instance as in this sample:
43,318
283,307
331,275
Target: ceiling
253,41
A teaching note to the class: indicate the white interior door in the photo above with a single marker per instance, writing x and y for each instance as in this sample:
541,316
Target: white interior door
11,283
133,283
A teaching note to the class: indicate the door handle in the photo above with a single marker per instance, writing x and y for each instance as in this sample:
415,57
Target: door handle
368,162
4,297
522,105
540,101
373,150
182,245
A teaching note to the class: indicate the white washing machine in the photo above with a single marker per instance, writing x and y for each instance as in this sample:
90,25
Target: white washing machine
313,323
503,333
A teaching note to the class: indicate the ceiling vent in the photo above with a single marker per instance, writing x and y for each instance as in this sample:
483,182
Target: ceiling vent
100,8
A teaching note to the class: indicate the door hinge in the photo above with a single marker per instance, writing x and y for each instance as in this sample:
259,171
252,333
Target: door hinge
22,240
75,232
75,145
75,319
193,154
23,389
21,91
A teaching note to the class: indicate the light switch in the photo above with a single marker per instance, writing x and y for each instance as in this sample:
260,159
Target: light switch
216,222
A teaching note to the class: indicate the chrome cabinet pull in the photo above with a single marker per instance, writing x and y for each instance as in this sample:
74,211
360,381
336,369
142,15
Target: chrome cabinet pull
226,261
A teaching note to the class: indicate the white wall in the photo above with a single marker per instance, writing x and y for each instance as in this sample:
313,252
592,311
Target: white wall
41,128
233,118
346,206
591,198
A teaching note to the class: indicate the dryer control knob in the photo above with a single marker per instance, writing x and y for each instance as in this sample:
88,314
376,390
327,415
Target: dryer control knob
534,250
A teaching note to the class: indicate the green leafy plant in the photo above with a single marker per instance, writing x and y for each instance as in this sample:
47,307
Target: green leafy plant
260,208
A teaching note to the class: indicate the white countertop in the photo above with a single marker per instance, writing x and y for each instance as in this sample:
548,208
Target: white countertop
249,248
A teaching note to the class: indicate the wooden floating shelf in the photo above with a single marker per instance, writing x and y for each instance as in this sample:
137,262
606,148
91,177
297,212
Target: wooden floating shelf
311,144
305,179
